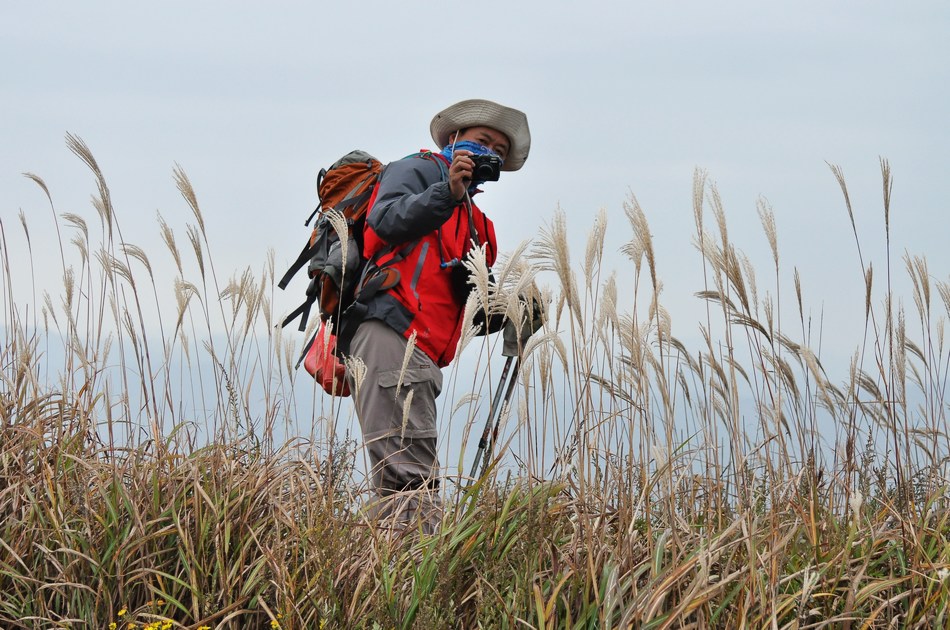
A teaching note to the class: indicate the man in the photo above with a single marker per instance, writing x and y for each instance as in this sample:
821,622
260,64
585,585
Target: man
422,224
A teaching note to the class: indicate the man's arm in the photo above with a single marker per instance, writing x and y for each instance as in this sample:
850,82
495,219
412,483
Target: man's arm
412,201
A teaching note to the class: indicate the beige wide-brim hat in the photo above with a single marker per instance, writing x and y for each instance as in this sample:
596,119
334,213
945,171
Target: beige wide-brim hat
478,112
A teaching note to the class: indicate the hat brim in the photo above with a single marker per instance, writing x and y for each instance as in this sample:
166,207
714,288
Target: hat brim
482,113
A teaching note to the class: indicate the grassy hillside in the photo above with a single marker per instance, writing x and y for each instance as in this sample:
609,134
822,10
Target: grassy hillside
150,476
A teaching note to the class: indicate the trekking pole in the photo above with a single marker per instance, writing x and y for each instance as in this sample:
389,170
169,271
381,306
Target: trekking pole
504,403
484,440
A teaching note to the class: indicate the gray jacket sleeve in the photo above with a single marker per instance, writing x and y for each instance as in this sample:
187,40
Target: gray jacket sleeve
412,200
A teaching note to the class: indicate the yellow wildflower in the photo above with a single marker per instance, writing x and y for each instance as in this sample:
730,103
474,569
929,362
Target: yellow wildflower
112,626
122,612
204,627
275,624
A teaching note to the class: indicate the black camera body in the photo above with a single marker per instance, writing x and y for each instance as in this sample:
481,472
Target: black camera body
487,168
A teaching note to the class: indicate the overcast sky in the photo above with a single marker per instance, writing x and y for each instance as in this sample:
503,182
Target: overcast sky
252,99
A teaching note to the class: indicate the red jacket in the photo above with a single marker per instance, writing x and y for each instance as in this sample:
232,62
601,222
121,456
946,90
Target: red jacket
413,204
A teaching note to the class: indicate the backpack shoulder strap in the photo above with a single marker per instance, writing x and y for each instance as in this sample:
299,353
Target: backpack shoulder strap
302,259
438,158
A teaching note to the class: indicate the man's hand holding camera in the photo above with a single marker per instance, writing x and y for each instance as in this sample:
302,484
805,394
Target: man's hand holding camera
460,173
466,166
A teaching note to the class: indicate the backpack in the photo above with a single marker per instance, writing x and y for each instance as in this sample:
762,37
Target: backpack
337,268
345,188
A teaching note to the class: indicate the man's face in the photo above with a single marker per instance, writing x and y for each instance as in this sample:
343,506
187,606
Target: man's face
487,137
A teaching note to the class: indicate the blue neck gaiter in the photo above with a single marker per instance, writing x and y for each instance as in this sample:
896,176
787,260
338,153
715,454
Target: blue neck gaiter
465,145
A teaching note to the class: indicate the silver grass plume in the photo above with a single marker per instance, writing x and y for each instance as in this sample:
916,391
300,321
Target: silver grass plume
664,323
888,181
607,314
710,250
734,275
289,354
511,264
168,236
236,290
406,407
265,309
767,217
102,203
769,309
798,293
811,362
113,265
920,277
553,251
81,246
943,288
188,193
139,254
749,272
469,331
640,245
595,245
899,367
194,237
78,222
42,184
539,339
255,297
271,265
719,212
48,307
26,230
338,223
185,347
357,371
184,291
544,370
410,347
463,401
477,264
699,188
69,286
839,175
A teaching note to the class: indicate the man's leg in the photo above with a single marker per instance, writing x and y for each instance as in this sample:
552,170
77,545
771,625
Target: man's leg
405,478
400,441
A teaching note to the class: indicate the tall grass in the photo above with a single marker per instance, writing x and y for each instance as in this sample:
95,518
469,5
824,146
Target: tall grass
158,473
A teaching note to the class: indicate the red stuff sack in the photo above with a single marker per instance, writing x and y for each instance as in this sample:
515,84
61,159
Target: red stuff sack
323,365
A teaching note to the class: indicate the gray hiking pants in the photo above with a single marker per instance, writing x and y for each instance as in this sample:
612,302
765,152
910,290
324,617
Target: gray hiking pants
400,440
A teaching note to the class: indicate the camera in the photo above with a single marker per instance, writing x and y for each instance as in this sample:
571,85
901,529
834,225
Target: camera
487,168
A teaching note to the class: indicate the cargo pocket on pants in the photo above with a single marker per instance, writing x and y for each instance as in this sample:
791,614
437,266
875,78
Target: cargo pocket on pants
425,383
